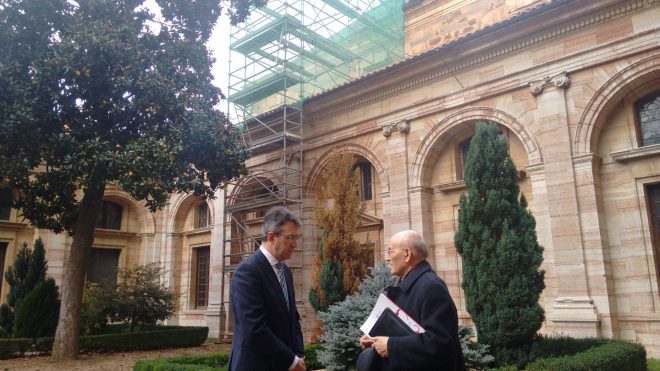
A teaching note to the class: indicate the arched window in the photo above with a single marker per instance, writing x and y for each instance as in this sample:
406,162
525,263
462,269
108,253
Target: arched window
110,216
366,183
648,119
203,215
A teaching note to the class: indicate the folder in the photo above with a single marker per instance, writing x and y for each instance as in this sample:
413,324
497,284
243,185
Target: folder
389,324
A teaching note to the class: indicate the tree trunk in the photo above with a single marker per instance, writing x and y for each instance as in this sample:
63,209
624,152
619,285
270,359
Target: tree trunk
67,336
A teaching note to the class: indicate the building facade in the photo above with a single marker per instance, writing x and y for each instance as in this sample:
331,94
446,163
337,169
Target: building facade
574,87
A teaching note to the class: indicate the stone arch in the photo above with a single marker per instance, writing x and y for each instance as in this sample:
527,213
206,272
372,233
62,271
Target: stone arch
643,72
179,202
419,170
147,218
355,149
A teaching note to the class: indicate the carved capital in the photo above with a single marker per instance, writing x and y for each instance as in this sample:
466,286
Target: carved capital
403,126
387,131
536,87
559,80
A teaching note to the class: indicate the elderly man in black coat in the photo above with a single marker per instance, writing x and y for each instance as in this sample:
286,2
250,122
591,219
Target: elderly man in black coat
424,296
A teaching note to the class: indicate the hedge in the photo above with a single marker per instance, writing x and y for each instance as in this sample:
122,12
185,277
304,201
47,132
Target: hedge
612,356
212,361
159,338
209,362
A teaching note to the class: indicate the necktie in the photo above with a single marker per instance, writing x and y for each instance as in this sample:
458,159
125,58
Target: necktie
280,276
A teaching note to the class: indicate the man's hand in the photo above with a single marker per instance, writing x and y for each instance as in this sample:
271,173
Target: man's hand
300,366
380,345
366,341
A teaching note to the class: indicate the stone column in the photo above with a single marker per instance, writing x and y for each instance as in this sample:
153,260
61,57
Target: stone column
573,312
421,217
214,310
399,201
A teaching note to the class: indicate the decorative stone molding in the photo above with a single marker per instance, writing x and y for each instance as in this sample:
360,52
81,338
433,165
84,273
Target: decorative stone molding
560,80
402,127
633,154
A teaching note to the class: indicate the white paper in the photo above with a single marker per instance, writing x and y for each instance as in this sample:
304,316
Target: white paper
385,302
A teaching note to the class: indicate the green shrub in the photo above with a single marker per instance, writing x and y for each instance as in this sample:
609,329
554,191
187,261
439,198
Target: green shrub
342,321
3,333
476,355
97,307
653,364
612,356
142,298
157,339
311,356
545,347
160,337
27,272
38,313
12,347
213,361
139,299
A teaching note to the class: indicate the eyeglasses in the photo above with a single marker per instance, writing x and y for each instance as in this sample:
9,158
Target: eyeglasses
390,250
293,237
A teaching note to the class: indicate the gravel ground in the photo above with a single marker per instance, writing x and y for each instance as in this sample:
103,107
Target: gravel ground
106,361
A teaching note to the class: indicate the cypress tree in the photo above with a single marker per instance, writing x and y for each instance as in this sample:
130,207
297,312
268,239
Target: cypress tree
341,263
496,238
27,272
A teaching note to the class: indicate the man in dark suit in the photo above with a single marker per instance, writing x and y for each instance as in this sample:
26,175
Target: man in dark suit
267,334
425,297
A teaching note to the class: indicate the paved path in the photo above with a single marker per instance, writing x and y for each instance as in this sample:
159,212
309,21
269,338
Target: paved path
105,362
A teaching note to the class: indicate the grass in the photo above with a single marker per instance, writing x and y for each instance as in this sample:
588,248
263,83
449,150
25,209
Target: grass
653,364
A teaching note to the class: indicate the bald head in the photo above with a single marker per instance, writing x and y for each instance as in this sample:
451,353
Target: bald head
413,241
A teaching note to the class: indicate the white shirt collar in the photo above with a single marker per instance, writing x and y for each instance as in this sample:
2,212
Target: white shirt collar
269,256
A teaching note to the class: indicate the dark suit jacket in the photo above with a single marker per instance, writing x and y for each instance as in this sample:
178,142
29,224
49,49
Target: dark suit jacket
425,297
267,334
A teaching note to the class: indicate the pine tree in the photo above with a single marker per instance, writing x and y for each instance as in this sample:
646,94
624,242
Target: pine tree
342,321
341,263
27,272
497,240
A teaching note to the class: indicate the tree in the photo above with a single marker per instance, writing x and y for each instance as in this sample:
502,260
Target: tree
27,272
496,238
94,92
341,263
342,321
141,298
38,312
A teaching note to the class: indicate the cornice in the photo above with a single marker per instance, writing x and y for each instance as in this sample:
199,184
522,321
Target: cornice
636,153
580,23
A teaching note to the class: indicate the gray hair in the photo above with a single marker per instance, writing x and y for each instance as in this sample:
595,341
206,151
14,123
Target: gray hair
415,242
275,218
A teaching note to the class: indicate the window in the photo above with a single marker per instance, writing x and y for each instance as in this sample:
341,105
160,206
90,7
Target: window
463,149
648,112
110,216
5,204
202,266
103,264
365,186
3,253
203,215
653,194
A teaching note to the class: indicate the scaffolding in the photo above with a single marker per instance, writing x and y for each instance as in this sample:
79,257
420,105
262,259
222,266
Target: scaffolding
285,52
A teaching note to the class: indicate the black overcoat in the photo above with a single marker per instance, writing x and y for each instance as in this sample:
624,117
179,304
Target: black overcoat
425,297
267,334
